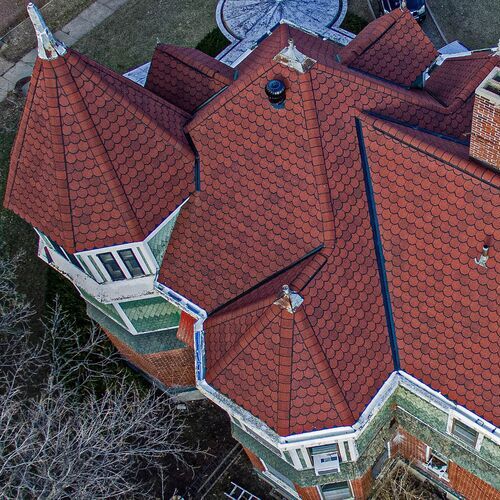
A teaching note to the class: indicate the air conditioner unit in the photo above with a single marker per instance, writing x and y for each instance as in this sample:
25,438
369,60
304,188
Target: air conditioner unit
326,463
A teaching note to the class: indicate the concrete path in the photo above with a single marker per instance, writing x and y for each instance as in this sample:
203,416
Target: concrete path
11,73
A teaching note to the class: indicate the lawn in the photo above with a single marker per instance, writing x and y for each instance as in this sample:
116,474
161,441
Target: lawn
476,24
128,37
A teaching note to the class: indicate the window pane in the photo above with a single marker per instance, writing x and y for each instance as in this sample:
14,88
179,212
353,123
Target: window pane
109,262
466,434
336,491
131,262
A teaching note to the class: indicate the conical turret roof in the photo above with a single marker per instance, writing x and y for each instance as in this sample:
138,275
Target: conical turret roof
98,160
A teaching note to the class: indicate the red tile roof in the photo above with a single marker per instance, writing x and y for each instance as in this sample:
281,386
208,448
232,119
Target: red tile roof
238,134
283,200
92,155
186,77
435,213
392,47
458,77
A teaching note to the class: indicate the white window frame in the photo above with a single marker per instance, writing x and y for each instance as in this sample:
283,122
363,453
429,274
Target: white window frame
452,416
348,484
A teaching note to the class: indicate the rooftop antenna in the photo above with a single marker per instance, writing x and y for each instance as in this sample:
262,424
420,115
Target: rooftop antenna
49,47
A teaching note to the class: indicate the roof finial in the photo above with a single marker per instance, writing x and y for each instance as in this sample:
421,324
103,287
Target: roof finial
48,45
403,4
288,299
290,56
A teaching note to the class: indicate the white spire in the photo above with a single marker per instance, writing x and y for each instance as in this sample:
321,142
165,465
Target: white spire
48,46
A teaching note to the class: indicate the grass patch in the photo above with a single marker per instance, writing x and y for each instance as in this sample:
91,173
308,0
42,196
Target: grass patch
213,43
353,23
127,38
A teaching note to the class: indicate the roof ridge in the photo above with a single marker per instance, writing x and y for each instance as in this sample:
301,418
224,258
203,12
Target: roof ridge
131,219
470,167
135,109
18,143
322,365
318,158
379,27
268,316
285,371
59,162
194,64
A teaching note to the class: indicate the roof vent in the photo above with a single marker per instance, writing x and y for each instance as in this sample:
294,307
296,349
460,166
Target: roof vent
290,56
276,92
483,258
289,300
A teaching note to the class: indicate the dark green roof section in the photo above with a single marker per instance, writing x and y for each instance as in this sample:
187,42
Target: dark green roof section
149,315
144,343
159,242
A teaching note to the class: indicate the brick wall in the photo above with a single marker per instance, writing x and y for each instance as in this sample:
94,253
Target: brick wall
254,459
362,486
172,368
470,486
408,446
485,135
308,493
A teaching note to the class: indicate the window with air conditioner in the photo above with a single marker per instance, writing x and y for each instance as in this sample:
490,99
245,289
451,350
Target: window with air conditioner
326,459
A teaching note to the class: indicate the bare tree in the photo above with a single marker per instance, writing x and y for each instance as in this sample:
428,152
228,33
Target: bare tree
400,484
72,422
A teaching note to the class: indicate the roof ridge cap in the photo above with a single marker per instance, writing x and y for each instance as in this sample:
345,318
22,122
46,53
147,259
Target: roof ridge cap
470,167
194,64
135,109
322,365
18,143
121,197
314,138
285,372
267,317
55,130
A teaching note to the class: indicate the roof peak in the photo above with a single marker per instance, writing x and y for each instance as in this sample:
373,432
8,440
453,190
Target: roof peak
49,47
292,57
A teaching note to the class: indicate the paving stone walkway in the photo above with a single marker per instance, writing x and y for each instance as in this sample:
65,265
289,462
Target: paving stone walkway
11,73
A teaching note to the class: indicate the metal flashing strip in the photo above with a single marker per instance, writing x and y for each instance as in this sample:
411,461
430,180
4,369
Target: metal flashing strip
378,248
197,180
269,278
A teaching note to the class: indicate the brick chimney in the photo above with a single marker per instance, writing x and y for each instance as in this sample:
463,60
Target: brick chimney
485,134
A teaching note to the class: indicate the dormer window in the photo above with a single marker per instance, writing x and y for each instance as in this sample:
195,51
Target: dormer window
131,263
114,270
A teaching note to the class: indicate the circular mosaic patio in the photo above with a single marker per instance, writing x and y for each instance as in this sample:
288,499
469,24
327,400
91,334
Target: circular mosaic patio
251,19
